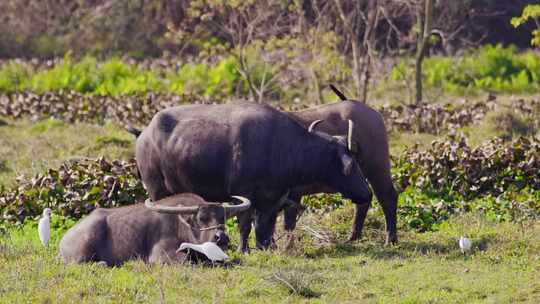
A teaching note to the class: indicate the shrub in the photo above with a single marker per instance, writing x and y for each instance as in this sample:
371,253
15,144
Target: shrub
216,82
75,107
530,12
452,167
491,68
73,190
422,211
115,77
14,76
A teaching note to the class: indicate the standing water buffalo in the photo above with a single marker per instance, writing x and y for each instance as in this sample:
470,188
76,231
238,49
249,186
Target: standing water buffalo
153,232
370,148
247,149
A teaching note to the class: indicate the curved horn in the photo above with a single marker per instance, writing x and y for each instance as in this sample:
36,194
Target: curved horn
338,92
169,209
313,124
233,209
350,135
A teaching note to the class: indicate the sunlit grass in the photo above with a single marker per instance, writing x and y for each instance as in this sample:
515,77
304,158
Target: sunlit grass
503,267
28,148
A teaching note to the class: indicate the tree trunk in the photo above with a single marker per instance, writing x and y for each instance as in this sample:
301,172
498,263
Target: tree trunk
357,69
371,23
367,75
422,47
317,86
349,29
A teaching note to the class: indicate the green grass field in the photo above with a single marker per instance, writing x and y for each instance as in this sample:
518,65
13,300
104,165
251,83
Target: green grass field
28,148
503,267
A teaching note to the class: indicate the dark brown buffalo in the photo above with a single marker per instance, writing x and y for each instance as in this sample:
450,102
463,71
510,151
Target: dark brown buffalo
370,144
247,149
153,232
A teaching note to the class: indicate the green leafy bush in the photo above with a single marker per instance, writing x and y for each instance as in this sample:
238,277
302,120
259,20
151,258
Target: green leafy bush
72,107
200,79
426,211
73,190
434,118
453,168
323,202
499,180
14,76
115,77
530,12
491,68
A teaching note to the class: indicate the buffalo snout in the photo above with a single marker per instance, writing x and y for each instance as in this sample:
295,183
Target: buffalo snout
221,239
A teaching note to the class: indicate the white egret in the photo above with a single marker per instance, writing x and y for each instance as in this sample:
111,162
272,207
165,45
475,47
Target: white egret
464,244
44,227
209,249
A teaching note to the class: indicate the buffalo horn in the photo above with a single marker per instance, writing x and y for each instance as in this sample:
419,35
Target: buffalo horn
350,135
170,209
313,124
233,209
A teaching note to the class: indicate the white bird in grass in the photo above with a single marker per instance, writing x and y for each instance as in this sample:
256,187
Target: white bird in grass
209,249
464,244
44,227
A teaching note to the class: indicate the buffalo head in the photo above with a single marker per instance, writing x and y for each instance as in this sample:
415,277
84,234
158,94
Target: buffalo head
345,175
206,220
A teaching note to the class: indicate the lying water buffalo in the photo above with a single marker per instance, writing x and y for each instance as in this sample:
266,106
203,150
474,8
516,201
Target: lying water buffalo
150,231
370,147
244,148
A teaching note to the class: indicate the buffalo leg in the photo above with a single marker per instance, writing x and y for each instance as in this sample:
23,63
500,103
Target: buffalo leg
290,216
360,213
244,225
381,181
265,223
388,200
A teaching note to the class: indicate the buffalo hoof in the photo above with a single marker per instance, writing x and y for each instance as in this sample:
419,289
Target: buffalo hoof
351,241
273,245
243,249
289,245
391,239
355,236
264,246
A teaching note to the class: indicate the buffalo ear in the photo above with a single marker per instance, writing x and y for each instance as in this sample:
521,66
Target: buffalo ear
347,162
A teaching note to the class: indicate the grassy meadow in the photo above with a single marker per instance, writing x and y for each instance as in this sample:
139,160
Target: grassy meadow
503,267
